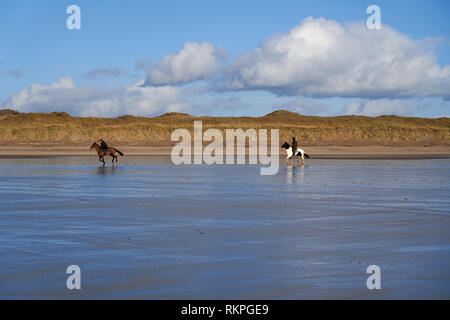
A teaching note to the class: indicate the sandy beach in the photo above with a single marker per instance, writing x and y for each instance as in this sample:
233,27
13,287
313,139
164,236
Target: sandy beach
152,230
315,151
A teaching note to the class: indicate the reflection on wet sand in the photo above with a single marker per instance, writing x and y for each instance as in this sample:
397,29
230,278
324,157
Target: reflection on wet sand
146,228
104,170
295,173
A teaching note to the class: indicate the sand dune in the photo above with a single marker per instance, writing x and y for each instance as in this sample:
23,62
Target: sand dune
57,129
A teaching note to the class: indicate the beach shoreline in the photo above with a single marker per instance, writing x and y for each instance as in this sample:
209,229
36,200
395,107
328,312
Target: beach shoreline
336,152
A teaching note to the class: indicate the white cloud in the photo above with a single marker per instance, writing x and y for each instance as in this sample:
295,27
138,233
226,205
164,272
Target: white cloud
196,61
380,107
323,58
89,101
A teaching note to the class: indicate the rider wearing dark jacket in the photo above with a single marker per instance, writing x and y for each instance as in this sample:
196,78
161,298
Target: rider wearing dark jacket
294,145
104,146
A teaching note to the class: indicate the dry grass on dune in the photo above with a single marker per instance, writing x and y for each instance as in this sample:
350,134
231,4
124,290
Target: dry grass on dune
61,128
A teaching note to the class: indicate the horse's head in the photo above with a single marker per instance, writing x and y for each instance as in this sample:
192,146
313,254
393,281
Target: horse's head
285,146
94,144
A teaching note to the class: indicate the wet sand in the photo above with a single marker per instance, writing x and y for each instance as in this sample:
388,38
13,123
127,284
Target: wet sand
149,229
324,152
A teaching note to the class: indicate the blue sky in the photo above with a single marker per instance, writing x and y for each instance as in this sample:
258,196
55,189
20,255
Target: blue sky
120,41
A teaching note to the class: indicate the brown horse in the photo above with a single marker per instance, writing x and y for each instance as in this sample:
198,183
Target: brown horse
102,153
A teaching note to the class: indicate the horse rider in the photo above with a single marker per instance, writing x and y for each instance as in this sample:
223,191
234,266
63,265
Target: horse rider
294,145
104,146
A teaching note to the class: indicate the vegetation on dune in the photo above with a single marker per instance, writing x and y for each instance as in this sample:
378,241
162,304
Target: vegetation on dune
61,128
8,112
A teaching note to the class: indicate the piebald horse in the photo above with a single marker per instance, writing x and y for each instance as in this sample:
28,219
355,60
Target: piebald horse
290,153
102,153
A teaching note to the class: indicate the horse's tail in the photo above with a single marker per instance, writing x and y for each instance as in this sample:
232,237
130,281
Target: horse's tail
306,156
119,152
